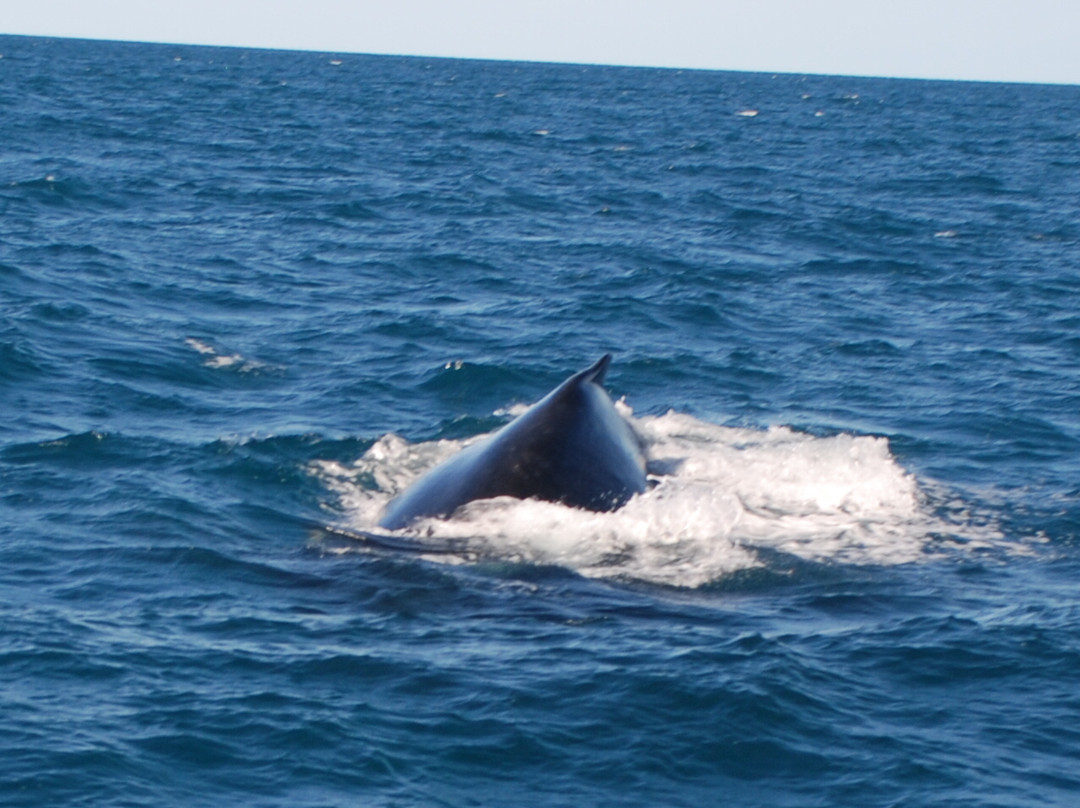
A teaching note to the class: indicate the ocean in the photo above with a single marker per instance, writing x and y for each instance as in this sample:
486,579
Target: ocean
249,295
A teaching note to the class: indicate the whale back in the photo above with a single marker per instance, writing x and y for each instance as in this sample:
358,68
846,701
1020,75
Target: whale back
571,447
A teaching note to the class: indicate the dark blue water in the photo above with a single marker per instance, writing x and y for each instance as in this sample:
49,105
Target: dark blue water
248,295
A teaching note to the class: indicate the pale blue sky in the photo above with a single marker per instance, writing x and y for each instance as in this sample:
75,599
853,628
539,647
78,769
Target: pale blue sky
995,40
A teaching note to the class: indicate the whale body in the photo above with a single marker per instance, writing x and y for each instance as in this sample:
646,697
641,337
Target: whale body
571,447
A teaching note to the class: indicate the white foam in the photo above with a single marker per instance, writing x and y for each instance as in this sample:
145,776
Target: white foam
722,499
217,360
200,346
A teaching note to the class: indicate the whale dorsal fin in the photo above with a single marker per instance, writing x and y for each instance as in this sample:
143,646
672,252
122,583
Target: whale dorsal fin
595,373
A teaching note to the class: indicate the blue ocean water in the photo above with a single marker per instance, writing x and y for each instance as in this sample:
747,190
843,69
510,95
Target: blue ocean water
248,295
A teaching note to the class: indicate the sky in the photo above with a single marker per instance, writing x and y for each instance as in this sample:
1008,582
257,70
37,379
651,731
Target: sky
986,40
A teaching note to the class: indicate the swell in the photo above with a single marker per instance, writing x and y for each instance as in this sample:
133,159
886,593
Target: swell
227,273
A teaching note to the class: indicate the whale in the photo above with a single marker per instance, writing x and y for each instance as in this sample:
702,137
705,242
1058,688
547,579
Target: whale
571,447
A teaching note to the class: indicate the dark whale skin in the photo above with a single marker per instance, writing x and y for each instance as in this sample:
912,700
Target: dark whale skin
571,447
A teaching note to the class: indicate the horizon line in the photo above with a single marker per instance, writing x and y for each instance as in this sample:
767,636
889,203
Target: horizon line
569,63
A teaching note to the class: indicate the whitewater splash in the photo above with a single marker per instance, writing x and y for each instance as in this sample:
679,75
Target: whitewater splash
721,500
217,360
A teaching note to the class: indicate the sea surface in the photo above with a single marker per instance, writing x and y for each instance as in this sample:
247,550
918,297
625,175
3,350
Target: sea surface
248,295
